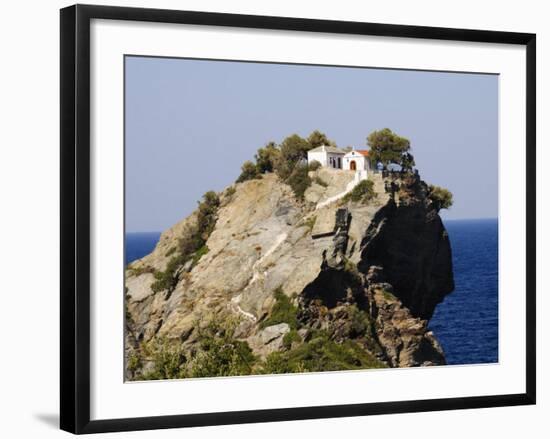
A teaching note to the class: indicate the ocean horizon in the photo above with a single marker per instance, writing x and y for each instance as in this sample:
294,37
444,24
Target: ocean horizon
466,322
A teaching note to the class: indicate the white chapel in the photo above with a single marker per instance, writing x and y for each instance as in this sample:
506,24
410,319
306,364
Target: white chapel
332,157
357,160
328,156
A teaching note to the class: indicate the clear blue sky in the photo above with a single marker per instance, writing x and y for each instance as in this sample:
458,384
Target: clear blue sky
191,124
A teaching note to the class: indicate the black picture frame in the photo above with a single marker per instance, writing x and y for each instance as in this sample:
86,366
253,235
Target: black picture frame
75,217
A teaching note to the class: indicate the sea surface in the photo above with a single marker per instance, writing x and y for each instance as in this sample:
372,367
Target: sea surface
466,322
140,244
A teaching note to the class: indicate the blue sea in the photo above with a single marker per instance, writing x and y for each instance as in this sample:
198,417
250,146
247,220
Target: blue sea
466,322
140,244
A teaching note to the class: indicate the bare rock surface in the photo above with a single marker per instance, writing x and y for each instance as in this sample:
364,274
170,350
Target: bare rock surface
269,339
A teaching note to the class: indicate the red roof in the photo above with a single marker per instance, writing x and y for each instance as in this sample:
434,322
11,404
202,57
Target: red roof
364,152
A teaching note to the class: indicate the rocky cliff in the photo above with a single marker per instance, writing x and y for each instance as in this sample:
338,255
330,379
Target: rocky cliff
281,285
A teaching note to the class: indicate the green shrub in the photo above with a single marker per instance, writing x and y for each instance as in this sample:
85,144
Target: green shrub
321,354
267,158
363,191
133,363
207,216
351,268
299,181
321,182
196,235
293,152
127,313
277,362
199,254
248,172
230,191
192,244
169,361
314,165
223,359
291,337
167,279
310,222
440,197
360,322
220,354
282,312
136,271
189,241
171,251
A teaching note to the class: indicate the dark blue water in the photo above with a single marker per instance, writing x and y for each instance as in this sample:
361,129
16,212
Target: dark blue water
466,322
140,244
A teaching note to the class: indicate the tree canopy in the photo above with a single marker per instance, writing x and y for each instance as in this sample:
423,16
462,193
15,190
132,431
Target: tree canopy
267,157
317,138
441,197
407,161
249,171
387,147
293,150
288,160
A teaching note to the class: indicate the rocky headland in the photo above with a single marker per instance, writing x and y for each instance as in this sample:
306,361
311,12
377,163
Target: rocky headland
258,280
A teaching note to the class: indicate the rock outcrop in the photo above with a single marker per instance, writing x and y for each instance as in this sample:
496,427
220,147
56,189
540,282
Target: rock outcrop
364,278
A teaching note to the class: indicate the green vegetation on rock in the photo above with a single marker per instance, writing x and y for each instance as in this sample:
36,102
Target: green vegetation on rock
267,158
142,269
192,244
310,222
363,192
217,354
291,337
288,160
440,197
249,171
299,180
314,165
321,354
220,354
171,251
282,312
230,191
199,254
133,363
167,279
320,181
168,360
387,147
360,322
293,153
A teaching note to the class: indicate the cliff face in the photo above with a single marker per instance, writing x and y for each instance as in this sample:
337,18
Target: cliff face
409,241
348,285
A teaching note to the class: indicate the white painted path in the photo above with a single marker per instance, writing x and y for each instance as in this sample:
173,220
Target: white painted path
359,176
256,274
